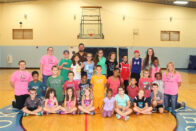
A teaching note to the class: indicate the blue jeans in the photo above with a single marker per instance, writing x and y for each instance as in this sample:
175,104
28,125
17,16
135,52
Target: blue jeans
148,101
172,99
44,80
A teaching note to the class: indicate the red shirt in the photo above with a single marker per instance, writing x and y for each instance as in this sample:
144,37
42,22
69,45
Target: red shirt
125,71
132,92
146,83
73,84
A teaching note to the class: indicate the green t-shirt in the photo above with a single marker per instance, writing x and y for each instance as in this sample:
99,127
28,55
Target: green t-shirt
102,62
57,85
64,72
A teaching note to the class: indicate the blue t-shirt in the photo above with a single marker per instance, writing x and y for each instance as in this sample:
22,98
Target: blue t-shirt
136,65
88,68
38,86
120,101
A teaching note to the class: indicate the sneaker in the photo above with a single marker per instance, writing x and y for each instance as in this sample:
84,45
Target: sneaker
92,113
39,114
25,114
62,113
13,104
118,116
183,104
153,110
73,113
81,112
126,118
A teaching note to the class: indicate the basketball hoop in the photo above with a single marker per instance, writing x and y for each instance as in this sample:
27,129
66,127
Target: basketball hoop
91,34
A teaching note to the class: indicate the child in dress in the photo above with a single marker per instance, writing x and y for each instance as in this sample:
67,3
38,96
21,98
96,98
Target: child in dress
87,103
51,103
70,101
141,104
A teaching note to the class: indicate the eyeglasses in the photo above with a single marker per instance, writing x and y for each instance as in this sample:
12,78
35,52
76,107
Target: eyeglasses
32,93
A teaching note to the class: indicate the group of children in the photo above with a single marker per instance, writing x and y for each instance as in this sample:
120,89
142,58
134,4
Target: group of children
98,85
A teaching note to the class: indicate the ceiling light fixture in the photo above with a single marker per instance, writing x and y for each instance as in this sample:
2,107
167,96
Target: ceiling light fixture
181,2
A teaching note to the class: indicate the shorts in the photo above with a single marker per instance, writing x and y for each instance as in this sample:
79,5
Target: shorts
31,109
158,106
107,113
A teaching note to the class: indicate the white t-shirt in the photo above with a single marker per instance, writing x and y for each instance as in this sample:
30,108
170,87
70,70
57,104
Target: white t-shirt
77,71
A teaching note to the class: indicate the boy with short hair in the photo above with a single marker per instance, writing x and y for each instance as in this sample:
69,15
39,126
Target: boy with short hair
98,82
32,105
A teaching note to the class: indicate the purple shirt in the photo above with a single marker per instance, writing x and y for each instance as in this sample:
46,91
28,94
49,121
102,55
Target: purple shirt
109,104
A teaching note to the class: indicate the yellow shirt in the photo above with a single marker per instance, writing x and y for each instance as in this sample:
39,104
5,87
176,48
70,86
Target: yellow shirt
98,83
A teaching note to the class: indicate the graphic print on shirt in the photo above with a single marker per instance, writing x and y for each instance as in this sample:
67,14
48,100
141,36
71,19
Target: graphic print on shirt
146,85
50,61
23,78
140,104
136,63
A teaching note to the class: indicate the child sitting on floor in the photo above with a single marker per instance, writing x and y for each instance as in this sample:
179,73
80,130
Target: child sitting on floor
87,103
51,103
108,104
70,101
32,105
141,104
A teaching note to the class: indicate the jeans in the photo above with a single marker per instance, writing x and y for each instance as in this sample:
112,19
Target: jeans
44,80
172,99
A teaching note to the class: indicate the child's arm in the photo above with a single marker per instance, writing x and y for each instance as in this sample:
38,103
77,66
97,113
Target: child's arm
130,65
146,105
150,71
65,103
83,103
135,105
66,68
102,106
113,108
142,65
41,70
46,103
56,102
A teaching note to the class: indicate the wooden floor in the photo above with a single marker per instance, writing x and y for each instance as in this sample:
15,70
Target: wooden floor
154,122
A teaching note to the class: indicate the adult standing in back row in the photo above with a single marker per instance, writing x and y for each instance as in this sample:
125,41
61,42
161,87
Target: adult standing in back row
148,61
82,55
46,63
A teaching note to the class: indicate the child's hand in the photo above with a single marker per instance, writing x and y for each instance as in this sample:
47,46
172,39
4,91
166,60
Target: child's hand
65,63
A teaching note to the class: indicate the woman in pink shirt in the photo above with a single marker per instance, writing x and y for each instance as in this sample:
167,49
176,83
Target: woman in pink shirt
46,63
115,81
172,80
19,81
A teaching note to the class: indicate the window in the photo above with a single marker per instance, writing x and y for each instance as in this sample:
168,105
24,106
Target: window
170,35
22,34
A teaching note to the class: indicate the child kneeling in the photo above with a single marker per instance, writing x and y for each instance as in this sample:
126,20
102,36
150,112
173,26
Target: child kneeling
122,104
141,104
32,104
51,103
157,99
87,103
108,104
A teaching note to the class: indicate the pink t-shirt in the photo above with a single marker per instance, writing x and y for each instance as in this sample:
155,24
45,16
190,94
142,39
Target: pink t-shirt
73,84
171,83
146,83
114,84
47,63
154,71
21,80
